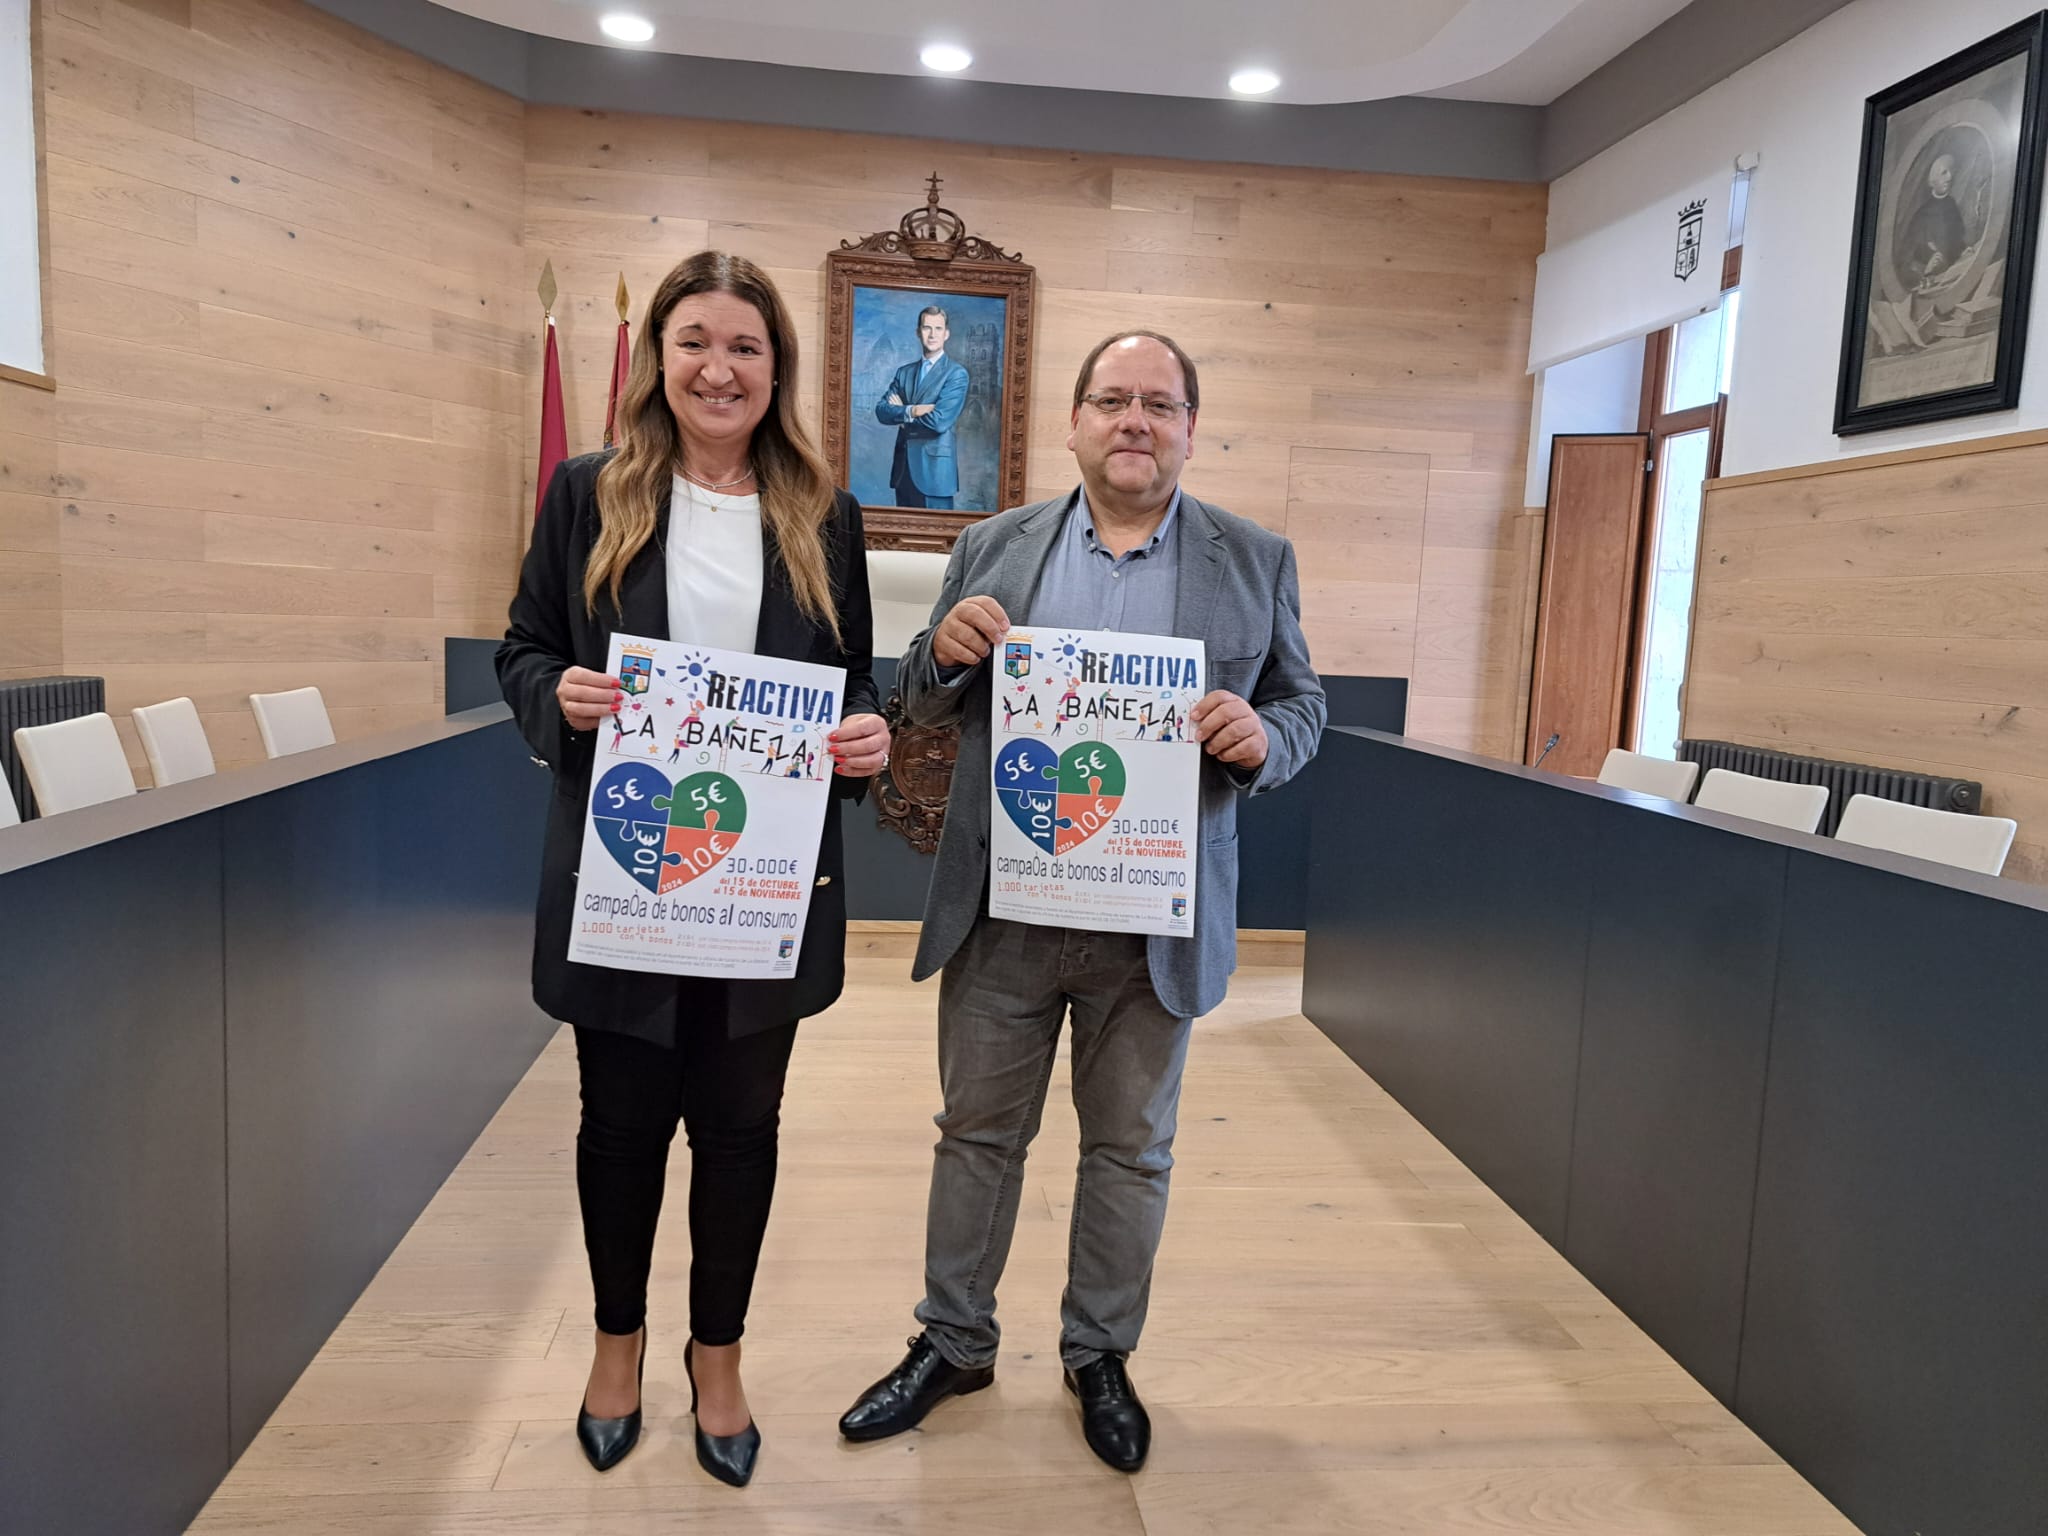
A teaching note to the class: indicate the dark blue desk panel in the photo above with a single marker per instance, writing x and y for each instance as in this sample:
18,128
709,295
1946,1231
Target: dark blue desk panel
379,1008
1681,957
113,1218
250,1024
1801,1085
1897,1335
1446,954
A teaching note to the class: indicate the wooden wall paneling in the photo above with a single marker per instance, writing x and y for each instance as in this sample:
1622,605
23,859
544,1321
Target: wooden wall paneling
288,263
1356,519
31,631
299,267
1891,612
1360,338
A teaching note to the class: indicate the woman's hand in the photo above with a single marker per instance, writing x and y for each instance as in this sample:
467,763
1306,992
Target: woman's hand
860,746
588,698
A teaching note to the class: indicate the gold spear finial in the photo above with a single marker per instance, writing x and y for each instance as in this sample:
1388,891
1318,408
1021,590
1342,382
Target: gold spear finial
547,289
622,298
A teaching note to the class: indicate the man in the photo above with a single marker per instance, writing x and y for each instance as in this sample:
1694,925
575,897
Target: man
1127,551
1934,235
923,402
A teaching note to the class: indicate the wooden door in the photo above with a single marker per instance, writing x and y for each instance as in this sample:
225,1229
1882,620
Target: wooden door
1586,614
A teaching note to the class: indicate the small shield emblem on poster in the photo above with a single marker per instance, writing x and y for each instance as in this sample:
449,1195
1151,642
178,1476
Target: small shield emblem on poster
1692,225
1017,658
636,670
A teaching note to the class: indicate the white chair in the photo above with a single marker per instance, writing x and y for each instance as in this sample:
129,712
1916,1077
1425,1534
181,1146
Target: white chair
295,721
1657,776
74,763
1947,837
903,585
175,741
1798,806
10,816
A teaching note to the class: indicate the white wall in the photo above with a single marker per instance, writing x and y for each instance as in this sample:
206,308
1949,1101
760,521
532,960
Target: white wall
1801,107
1600,392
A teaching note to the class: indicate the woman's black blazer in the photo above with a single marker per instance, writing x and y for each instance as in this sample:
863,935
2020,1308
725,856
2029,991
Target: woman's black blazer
550,631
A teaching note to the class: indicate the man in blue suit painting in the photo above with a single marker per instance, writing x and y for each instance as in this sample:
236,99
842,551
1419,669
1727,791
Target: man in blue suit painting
923,402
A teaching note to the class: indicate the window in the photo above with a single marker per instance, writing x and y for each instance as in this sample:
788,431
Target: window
1686,370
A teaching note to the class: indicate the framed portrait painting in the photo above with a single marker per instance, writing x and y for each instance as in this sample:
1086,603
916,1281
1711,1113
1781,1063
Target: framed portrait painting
928,347
1948,206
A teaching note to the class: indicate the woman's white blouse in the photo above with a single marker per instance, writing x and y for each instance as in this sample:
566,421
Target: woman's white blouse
714,567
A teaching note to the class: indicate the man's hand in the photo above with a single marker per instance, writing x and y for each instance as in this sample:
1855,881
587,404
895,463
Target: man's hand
969,632
1229,729
922,410
894,398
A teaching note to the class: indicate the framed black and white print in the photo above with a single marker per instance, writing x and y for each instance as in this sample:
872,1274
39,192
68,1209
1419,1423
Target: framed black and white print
1948,204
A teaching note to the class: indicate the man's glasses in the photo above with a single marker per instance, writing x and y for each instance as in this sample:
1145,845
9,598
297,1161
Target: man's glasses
1113,403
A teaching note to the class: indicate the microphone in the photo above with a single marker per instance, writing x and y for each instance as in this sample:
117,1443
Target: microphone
1546,750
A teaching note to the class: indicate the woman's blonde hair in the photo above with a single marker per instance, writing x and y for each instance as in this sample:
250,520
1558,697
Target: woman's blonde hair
796,487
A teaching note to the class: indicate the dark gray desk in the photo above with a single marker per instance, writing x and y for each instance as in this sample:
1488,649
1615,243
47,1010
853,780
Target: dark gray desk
1783,1100
249,1024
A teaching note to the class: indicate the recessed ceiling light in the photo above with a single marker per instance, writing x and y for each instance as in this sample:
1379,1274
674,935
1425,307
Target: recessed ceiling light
1254,82
627,29
949,58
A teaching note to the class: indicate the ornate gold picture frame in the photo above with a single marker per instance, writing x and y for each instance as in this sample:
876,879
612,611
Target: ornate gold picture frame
927,376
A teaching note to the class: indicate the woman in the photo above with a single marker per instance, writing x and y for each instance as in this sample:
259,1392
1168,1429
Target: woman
714,521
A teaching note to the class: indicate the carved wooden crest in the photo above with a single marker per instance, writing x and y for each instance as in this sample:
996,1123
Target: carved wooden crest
932,233
910,793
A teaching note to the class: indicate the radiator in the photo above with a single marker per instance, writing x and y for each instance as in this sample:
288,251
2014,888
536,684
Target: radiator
1842,779
41,701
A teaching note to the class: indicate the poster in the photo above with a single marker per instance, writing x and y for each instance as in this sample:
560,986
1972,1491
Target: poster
1094,818
707,800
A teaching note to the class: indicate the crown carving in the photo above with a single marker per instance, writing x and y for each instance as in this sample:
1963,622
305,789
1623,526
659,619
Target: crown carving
932,233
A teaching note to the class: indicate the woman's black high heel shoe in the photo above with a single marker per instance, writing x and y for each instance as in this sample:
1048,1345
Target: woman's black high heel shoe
606,1441
729,1458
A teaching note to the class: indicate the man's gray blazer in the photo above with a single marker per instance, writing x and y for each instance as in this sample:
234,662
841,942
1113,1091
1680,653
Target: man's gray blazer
1238,593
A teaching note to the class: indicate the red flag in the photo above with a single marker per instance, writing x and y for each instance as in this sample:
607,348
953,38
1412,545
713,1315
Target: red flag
621,361
554,435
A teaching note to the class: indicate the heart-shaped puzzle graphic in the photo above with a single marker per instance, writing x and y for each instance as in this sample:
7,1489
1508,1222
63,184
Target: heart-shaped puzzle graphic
1059,800
665,835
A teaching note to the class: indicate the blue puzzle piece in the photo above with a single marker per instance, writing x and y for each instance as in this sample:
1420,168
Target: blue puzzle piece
640,847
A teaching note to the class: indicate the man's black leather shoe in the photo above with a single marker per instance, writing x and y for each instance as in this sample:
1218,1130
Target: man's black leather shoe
1114,1422
901,1399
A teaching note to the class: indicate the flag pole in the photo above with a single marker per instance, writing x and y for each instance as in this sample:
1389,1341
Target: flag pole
622,362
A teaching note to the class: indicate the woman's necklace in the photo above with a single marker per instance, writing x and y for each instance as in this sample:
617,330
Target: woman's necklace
720,485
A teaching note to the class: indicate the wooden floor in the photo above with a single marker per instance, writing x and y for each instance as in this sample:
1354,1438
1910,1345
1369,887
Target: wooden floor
1348,1334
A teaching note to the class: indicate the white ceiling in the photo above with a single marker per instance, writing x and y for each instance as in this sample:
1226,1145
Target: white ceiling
1528,51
